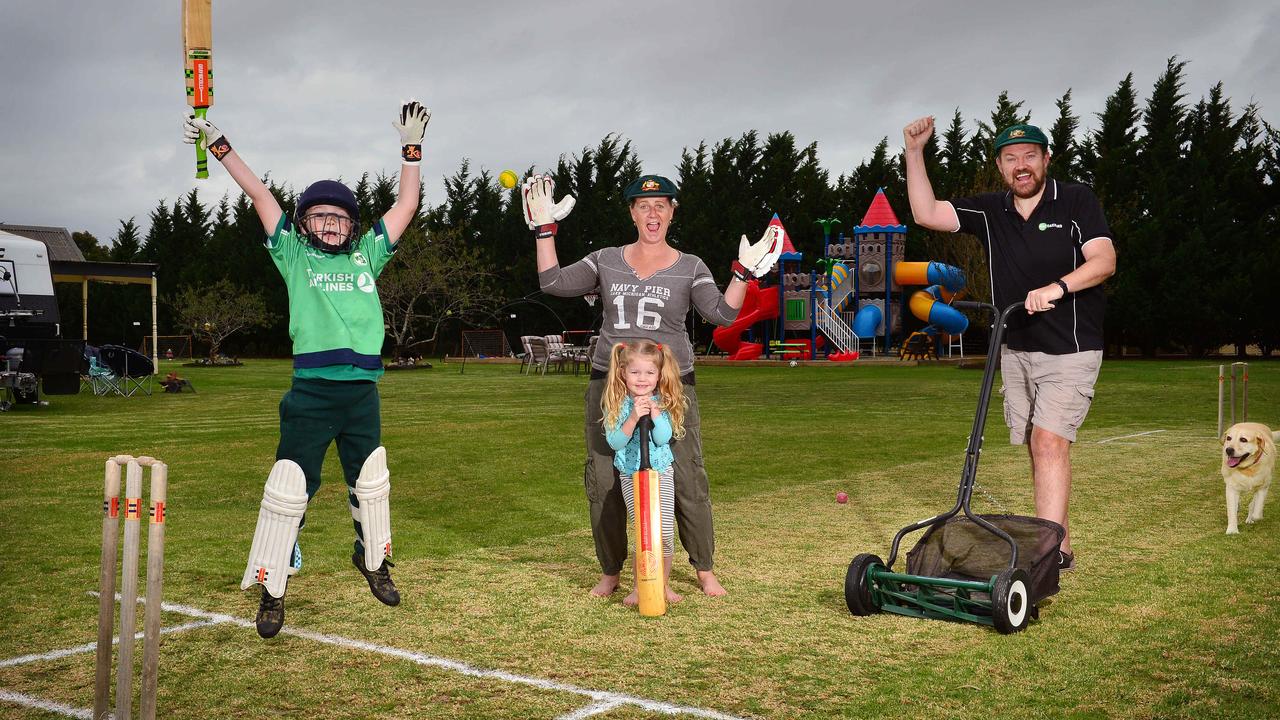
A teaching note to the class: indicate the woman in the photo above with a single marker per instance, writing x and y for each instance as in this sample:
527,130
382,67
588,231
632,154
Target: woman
646,289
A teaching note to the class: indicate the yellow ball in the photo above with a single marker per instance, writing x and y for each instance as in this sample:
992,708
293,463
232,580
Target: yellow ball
508,179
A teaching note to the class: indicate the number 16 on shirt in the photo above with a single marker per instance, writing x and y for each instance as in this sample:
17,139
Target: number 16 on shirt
648,530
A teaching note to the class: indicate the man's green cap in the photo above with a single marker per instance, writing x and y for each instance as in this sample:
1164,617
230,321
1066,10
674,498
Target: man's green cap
1021,134
650,186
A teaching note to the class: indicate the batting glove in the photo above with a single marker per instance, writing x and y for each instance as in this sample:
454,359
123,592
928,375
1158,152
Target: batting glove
214,141
758,259
541,213
412,125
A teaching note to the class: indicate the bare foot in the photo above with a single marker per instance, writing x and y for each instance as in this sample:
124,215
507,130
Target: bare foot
711,587
673,597
631,600
606,586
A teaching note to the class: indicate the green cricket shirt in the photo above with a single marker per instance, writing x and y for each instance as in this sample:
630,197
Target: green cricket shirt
335,315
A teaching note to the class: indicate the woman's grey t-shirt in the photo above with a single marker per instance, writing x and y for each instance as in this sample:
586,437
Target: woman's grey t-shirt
634,309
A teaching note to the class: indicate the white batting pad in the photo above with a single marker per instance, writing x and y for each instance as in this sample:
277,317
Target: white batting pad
284,502
373,491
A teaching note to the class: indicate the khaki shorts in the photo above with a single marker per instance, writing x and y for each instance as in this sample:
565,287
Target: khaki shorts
1052,392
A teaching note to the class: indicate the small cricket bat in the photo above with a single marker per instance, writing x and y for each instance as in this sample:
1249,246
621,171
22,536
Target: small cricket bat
646,491
197,53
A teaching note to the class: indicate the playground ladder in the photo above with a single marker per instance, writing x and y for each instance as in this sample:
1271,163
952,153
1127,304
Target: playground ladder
831,325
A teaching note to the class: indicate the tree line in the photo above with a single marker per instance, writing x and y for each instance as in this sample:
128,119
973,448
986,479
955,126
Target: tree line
1191,191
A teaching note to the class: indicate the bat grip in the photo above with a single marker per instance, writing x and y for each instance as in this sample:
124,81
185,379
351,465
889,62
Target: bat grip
644,427
202,156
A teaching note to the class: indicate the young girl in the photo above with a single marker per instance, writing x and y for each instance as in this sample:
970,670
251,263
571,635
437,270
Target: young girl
644,380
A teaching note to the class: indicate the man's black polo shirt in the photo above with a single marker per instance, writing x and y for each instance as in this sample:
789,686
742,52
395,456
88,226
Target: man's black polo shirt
1025,255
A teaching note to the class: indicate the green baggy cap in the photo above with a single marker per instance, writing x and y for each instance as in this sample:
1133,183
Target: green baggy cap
1021,133
650,186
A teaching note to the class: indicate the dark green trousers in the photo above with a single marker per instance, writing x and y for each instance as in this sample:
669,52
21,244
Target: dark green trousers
315,413
604,494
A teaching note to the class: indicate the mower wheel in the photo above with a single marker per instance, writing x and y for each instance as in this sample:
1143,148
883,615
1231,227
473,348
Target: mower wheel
857,589
1010,601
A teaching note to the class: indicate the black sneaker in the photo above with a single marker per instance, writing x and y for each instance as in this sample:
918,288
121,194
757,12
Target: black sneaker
1066,561
270,615
379,580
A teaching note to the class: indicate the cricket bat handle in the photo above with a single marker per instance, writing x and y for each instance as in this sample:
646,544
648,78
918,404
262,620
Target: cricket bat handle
202,155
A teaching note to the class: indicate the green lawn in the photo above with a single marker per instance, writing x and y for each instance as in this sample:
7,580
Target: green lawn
1166,616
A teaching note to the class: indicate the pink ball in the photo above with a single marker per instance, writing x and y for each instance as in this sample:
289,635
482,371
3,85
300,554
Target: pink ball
842,498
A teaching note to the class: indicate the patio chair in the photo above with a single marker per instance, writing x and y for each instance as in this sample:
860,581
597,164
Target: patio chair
583,357
526,358
541,355
559,350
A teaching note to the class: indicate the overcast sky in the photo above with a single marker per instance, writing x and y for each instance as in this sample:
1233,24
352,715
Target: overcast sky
92,92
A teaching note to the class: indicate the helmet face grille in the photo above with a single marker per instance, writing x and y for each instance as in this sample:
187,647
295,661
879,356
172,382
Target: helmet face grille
328,192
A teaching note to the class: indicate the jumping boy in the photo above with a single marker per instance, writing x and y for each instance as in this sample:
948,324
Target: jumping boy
335,323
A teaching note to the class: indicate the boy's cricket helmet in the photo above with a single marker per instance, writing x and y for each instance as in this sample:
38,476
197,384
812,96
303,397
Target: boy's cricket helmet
328,192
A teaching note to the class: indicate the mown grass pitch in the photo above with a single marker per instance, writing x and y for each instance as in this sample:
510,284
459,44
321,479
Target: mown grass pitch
1165,617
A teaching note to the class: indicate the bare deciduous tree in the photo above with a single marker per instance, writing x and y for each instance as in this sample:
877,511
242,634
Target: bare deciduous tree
434,277
216,312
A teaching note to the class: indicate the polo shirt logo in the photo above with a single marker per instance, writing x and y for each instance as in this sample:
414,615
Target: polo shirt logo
365,282
359,259
1046,226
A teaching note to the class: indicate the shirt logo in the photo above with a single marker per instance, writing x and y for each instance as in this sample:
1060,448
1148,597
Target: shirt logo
330,281
359,259
365,282
1046,226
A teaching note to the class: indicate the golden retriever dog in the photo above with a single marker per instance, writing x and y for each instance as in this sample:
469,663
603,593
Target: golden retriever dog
1248,457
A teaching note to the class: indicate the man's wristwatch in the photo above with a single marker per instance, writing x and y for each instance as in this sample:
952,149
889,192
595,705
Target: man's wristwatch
1060,283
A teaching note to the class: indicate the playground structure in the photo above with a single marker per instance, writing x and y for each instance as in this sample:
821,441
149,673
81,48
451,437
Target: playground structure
839,308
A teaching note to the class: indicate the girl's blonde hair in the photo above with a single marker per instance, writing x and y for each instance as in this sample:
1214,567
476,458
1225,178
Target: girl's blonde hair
670,389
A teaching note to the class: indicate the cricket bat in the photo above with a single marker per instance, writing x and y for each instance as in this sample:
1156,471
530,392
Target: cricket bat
197,53
646,491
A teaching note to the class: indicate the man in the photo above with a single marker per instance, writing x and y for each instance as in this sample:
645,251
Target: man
1047,244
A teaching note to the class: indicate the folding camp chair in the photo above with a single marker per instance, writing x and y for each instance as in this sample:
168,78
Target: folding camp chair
132,369
101,380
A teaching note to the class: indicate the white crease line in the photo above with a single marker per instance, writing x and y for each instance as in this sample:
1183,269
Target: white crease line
593,709
49,705
91,647
1122,437
463,668
600,697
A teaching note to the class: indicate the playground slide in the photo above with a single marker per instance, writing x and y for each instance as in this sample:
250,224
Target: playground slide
931,304
759,305
867,321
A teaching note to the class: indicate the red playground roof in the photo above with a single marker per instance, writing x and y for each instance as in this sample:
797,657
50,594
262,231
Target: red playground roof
880,213
787,247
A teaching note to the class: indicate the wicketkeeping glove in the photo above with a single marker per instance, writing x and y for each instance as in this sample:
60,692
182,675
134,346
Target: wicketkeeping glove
214,141
412,125
541,212
758,259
